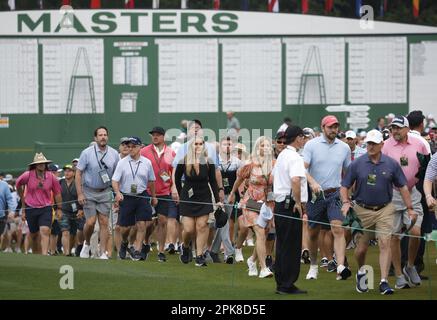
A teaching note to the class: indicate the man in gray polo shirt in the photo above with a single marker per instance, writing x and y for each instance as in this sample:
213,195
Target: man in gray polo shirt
325,158
93,181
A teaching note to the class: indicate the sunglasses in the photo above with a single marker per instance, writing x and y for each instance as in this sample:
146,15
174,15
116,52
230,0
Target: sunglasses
280,142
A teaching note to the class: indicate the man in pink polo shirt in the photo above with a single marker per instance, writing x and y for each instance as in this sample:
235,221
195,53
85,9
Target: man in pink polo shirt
162,157
403,148
36,187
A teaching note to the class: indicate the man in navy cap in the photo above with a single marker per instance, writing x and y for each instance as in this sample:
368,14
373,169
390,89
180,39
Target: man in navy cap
132,177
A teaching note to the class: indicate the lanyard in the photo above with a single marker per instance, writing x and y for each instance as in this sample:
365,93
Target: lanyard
136,171
97,157
156,159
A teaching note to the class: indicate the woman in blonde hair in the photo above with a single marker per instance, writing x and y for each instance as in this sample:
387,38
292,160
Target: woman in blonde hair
258,173
195,197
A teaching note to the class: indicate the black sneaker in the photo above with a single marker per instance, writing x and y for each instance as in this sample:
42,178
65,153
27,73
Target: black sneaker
136,255
123,250
199,261
184,257
171,249
385,289
332,266
346,273
324,262
269,261
161,257
230,259
145,251
78,250
215,257
131,251
306,256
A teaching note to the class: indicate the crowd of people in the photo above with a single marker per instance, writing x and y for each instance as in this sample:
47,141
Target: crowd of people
295,193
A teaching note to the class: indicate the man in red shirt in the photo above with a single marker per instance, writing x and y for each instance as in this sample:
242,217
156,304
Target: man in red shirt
162,157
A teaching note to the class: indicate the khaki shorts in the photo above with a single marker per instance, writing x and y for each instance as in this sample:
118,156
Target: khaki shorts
381,221
97,202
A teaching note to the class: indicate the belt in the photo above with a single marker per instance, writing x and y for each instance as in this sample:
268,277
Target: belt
330,190
97,190
374,208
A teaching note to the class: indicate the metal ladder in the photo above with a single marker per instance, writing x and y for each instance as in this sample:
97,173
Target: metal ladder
74,77
313,52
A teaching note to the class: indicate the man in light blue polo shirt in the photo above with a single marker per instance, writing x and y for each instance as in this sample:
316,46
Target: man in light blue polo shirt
325,158
93,180
7,203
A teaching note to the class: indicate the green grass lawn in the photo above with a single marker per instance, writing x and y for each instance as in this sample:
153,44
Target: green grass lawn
37,277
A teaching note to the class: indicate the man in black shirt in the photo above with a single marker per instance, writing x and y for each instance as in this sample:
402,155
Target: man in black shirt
71,210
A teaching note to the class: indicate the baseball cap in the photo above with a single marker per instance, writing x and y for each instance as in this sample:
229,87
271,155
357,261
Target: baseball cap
53,167
159,130
400,121
363,134
124,140
135,140
374,136
293,132
351,134
329,120
8,177
67,167
308,132
390,115
75,160
280,135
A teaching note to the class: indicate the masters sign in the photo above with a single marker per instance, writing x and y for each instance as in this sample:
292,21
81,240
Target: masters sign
130,22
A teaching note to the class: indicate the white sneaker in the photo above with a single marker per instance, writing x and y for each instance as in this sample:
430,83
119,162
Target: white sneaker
313,273
265,273
253,270
239,255
85,252
250,243
8,250
103,256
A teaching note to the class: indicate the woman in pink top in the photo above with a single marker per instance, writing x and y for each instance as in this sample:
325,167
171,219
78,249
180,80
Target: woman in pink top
258,174
36,187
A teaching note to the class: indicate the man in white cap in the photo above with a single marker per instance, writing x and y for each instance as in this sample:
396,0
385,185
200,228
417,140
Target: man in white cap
374,176
390,118
40,185
351,140
403,148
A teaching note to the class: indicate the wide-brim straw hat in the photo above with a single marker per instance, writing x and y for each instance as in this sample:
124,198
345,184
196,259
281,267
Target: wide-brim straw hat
39,158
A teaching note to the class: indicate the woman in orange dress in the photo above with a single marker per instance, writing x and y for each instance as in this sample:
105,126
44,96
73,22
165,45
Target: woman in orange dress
258,174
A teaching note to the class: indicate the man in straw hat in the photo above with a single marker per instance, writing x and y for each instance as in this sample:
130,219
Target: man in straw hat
40,185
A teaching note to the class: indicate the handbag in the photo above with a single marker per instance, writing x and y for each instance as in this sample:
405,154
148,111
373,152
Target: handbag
254,205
